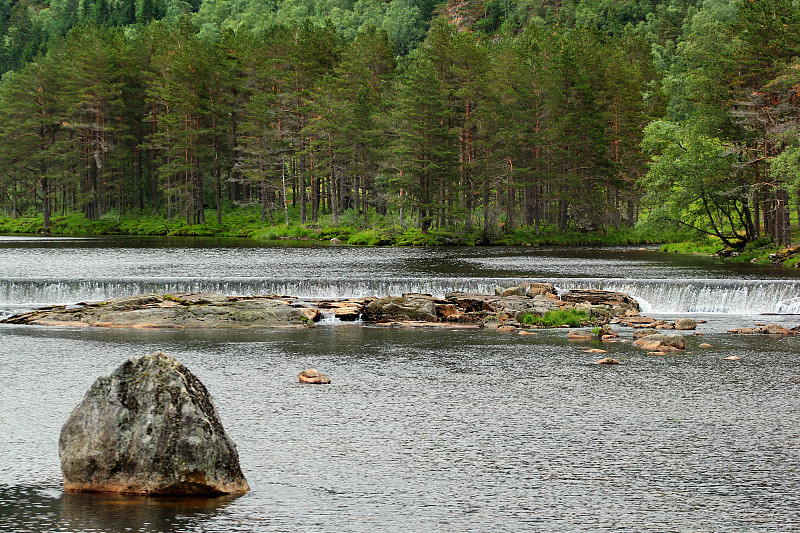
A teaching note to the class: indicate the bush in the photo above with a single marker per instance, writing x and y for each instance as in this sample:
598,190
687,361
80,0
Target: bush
561,317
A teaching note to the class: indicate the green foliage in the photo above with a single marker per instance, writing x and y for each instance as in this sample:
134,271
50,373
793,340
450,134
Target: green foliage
560,317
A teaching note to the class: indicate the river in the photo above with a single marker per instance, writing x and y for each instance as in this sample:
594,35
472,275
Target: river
421,430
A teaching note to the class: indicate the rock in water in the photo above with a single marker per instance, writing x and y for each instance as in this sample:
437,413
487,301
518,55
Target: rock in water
149,428
312,375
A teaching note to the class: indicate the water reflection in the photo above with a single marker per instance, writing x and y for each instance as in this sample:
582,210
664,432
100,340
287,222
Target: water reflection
44,508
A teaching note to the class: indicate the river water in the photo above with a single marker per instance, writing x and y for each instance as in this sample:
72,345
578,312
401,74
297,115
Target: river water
421,430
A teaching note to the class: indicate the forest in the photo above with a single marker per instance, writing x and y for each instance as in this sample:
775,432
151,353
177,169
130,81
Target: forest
477,116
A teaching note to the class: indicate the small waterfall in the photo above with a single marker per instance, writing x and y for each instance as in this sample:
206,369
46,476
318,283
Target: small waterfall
738,297
654,295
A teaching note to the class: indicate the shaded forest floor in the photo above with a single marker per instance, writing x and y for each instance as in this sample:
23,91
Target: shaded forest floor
378,231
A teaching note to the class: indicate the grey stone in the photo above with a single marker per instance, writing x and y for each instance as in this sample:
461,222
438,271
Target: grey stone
149,428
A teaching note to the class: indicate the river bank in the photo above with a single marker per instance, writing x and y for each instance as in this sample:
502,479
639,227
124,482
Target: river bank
760,252
378,231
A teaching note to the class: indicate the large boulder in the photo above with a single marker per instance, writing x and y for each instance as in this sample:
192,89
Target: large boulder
149,428
406,307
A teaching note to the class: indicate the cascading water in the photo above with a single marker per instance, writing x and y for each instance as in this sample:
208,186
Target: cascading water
741,297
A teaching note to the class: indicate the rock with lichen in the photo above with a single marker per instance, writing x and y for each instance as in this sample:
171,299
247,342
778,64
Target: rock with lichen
149,428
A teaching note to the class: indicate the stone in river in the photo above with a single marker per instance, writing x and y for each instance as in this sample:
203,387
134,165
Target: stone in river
312,375
607,361
685,323
149,428
581,335
661,343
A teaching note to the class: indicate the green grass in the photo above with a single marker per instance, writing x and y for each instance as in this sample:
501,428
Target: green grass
379,230
557,317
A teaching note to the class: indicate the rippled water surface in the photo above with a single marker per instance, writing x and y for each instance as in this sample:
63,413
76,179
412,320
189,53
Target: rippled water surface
421,430
463,430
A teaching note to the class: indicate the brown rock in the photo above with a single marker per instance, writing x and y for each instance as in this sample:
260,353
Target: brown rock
705,345
607,361
644,332
732,358
314,376
595,350
685,323
663,343
581,335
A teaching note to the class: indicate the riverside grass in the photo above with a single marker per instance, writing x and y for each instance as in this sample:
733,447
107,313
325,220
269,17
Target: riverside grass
377,231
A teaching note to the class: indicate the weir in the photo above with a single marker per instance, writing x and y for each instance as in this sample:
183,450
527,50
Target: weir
739,297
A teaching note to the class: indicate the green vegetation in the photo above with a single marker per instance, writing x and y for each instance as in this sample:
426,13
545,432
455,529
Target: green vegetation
557,317
404,122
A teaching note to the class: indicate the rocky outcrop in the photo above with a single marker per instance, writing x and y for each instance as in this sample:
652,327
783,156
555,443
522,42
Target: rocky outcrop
406,307
518,307
767,329
149,428
193,310
661,343
314,376
618,301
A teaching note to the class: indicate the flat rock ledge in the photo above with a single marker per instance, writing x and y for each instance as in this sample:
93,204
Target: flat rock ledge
193,310
149,428
512,308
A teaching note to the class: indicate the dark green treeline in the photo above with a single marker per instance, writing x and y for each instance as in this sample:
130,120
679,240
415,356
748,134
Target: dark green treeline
537,128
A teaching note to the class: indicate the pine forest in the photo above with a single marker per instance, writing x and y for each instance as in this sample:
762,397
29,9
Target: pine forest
474,117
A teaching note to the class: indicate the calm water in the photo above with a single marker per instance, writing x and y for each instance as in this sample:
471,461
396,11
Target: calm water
423,430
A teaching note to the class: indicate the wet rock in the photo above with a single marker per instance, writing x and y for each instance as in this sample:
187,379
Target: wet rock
525,332
539,289
732,358
595,350
607,332
149,428
607,361
581,335
347,314
774,329
685,324
192,310
336,241
705,345
662,343
639,333
512,291
741,331
314,376
598,297
406,307
507,329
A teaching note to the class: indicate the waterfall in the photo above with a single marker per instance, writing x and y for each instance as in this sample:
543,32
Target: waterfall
654,295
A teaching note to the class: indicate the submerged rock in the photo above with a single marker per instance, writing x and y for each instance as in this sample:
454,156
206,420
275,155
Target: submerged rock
607,361
312,375
149,428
